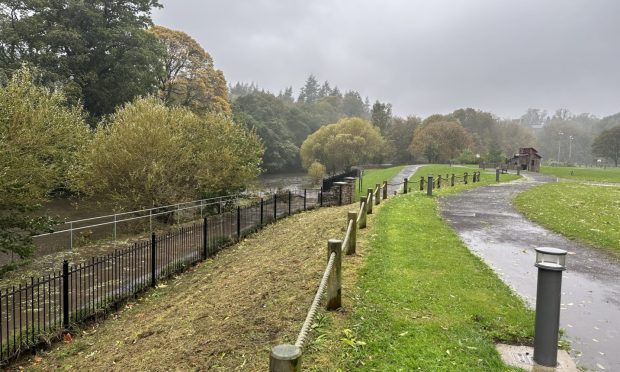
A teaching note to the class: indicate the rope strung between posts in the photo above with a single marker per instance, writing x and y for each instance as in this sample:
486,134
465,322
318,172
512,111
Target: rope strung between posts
345,242
359,214
315,303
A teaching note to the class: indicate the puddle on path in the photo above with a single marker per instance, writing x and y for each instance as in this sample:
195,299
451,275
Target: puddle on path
590,311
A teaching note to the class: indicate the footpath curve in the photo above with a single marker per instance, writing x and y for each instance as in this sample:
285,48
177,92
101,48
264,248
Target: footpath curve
495,231
395,184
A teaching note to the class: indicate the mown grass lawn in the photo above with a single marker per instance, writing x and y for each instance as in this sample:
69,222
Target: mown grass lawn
486,177
372,177
422,302
587,213
584,174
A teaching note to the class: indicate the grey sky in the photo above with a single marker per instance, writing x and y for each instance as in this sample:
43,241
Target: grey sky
424,57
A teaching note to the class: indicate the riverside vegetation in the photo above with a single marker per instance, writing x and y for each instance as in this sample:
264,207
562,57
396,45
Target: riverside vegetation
413,296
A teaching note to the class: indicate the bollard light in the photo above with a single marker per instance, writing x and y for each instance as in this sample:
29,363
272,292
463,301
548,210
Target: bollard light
550,263
551,258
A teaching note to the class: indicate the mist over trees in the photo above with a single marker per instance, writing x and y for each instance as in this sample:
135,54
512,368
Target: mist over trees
283,122
98,101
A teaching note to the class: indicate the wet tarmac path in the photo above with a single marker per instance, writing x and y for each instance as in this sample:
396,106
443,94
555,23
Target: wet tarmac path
396,183
494,230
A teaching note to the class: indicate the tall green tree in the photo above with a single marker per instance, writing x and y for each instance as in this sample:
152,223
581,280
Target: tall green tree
440,141
399,136
40,135
309,93
381,116
607,144
97,50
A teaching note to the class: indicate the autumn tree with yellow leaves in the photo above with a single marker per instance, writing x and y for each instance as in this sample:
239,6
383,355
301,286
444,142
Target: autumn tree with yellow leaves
190,78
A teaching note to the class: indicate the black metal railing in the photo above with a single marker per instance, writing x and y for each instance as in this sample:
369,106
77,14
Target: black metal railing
39,311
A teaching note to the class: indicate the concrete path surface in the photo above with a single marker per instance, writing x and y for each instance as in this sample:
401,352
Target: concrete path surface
590,313
395,184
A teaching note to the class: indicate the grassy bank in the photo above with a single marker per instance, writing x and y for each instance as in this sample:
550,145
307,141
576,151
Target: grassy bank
486,177
372,177
584,174
422,301
225,314
590,214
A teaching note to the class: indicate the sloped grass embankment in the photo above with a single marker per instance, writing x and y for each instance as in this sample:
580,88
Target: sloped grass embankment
225,314
586,213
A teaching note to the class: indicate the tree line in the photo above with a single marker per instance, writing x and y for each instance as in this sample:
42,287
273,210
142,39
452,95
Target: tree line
97,102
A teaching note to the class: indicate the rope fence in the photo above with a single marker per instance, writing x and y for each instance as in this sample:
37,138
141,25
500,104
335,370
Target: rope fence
286,357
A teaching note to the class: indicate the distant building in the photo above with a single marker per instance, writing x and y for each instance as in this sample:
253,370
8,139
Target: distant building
527,159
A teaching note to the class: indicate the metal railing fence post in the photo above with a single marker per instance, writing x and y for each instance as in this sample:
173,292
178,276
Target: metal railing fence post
153,260
65,295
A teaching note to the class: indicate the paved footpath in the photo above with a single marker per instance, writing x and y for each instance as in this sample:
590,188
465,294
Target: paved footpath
590,313
396,183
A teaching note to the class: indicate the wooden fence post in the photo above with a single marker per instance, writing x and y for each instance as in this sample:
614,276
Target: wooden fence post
422,183
377,194
369,201
406,186
352,219
452,180
334,283
429,185
285,358
465,178
385,190
364,212
439,181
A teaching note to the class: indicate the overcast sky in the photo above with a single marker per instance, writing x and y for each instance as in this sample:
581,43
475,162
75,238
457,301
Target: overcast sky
424,57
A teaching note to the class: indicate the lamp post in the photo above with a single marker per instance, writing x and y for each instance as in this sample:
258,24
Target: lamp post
570,147
559,144
550,263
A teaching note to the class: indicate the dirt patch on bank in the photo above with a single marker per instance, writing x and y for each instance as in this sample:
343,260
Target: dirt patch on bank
224,315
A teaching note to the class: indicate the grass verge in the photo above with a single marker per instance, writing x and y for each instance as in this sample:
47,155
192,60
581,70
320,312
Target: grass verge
422,301
584,174
587,213
486,177
372,177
